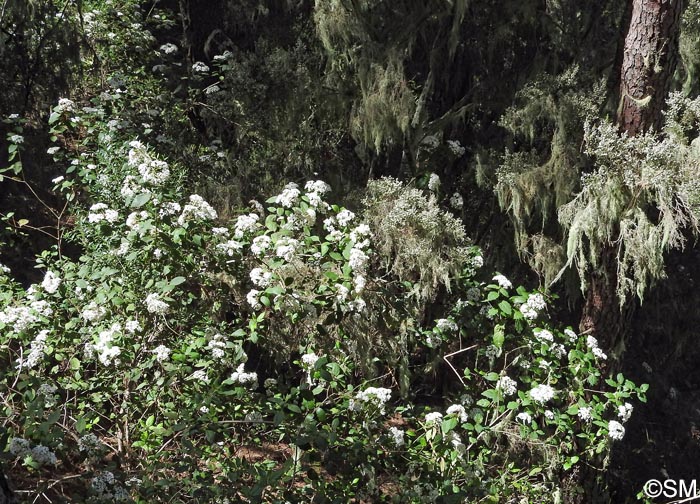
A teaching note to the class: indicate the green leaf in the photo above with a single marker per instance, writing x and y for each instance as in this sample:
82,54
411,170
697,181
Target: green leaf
448,424
492,295
74,364
177,281
499,335
140,200
505,307
54,117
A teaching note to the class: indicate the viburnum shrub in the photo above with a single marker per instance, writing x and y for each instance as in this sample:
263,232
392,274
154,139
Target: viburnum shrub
183,358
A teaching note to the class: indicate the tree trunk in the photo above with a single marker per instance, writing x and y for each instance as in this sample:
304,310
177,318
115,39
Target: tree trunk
649,57
649,60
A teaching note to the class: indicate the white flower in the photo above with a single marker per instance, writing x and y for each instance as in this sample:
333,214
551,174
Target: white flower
344,217
524,417
434,182
169,48
446,325
200,67
375,396
92,312
260,278
308,361
220,231
13,116
357,305
599,354
549,415
507,385
52,150
65,105
20,447
558,350
201,375
584,413
36,351
17,139
502,281
397,436
43,456
477,261
433,417
571,335
51,282
535,303
624,412
154,172
289,195
456,442
58,180
456,148
615,430
217,345
456,201
197,208
358,259
132,326
260,244
213,89
359,283
253,298
342,292
286,248
204,410
162,353
230,247
544,336
458,410
154,304
240,376
245,224
542,393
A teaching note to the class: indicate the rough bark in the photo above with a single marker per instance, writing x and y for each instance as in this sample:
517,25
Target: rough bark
650,53
7,496
649,60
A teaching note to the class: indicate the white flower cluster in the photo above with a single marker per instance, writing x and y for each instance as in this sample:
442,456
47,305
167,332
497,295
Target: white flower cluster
456,201
358,259
131,187
135,218
245,224
315,189
308,361
198,209
240,376
51,282
154,171
456,148
584,413
162,353
106,486
36,351
21,448
624,411
542,393
65,105
397,436
506,385
155,305
446,325
169,48
286,248
217,346
344,217
533,306
199,67
502,281
260,277
524,417
434,182
253,298
89,443
92,312
289,196
132,326
200,375
432,418
544,336
260,244
459,411
615,430
230,247
105,348
16,139
373,396
101,212
573,337
592,344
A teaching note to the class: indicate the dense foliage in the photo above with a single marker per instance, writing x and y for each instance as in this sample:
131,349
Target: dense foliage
251,251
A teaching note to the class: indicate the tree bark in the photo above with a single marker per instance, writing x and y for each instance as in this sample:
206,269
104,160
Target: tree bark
650,54
649,60
6,494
